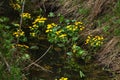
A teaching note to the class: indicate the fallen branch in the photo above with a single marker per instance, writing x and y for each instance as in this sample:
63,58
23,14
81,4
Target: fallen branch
33,63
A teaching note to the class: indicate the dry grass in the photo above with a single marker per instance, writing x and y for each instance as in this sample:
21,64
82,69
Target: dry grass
110,54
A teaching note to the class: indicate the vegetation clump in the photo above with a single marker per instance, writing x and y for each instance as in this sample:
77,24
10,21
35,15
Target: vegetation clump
34,41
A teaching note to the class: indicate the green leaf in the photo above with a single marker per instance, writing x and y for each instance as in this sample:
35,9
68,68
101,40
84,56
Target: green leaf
80,52
81,74
25,56
61,45
74,38
24,39
51,14
58,14
73,20
67,21
61,18
34,47
69,53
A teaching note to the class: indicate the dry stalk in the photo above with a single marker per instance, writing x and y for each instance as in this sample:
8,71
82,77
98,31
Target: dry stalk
98,6
21,19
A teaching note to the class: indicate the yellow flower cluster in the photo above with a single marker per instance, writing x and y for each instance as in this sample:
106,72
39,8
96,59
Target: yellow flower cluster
15,6
71,27
50,26
39,19
18,33
76,26
21,45
80,25
94,40
35,26
60,34
26,15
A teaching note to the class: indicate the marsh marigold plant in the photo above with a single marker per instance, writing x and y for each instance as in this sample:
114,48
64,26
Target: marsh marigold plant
18,33
36,24
94,41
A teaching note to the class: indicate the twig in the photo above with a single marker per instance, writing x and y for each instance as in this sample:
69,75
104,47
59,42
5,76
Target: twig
42,68
39,58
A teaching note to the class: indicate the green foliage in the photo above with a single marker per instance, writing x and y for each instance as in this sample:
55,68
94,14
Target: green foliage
4,19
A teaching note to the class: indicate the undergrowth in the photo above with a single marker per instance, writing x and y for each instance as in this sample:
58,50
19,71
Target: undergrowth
55,44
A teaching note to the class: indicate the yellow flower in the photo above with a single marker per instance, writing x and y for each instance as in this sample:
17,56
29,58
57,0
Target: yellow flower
89,37
63,35
26,15
39,20
63,78
102,38
53,24
58,32
68,26
81,28
18,33
78,23
87,41
15,6
76,27
49,26
35,26
48,31
32,34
